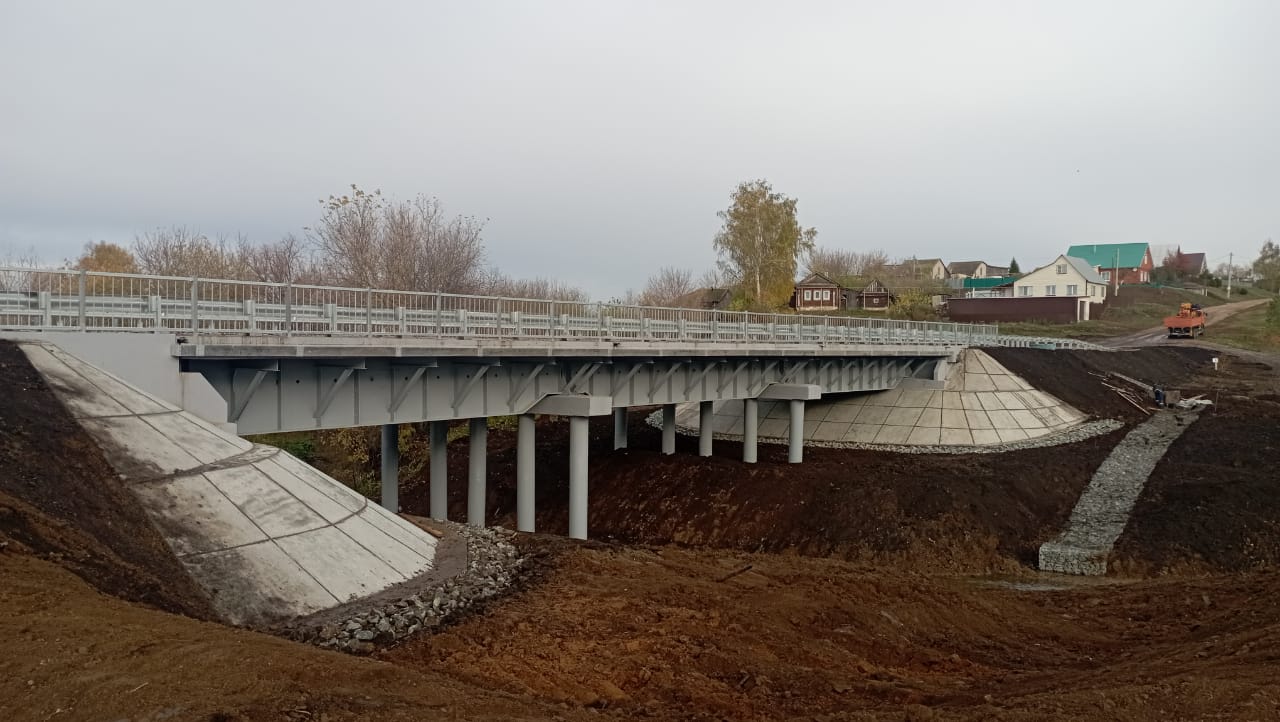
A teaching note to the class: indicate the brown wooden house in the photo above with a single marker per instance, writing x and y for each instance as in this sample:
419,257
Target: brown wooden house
817,292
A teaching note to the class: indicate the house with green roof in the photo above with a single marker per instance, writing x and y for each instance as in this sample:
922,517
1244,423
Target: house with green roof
1118,263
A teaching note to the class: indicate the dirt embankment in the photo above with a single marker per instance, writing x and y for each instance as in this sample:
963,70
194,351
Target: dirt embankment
61,499
679,634
1068,375
972,512
1213,502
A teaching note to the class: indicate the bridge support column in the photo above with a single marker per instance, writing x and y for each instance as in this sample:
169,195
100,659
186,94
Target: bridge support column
391,468
668,428
438,433
706,427
477,469
750,427
525,509
795,444
578,477
620,428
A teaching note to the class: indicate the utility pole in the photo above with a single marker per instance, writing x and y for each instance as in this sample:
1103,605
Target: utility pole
1231,259
1115,275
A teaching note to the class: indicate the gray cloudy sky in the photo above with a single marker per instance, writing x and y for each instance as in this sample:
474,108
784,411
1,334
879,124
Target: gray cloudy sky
600,138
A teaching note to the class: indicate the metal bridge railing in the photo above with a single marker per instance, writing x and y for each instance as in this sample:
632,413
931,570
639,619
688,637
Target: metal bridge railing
81,300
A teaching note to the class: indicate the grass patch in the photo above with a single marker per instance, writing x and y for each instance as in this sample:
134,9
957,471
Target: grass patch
1135,309
1257,329
299,443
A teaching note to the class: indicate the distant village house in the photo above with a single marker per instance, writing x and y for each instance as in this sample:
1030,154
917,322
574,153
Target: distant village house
919,269
1064,291
817,292
975,269
1117,262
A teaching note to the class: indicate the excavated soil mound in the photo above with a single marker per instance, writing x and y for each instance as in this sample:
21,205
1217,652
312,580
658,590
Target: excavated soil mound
1068,374
1213,502
61,499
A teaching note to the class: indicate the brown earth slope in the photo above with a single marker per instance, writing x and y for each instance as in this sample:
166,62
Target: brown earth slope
60,498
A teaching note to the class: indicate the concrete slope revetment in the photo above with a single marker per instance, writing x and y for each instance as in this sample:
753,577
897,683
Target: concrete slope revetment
268,537
979,403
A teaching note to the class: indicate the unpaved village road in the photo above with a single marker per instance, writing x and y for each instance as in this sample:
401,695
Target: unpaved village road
1157,334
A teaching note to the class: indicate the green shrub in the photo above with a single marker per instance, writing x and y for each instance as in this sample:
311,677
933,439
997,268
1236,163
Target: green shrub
1273,314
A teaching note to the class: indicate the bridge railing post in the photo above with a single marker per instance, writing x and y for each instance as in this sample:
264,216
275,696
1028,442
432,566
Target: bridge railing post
368,311
195,305
83,283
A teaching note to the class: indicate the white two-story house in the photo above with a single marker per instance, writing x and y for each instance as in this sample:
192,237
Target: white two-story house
1066,276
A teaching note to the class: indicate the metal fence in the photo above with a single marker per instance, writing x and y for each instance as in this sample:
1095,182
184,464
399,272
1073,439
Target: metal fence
80,300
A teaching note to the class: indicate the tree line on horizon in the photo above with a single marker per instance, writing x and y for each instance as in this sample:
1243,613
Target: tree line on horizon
364,239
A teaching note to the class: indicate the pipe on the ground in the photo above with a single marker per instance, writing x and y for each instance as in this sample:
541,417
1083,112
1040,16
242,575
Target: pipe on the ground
391,468
750,427
706,427
438,432
578,477
620,428
477,469
668,428
795,444
525,483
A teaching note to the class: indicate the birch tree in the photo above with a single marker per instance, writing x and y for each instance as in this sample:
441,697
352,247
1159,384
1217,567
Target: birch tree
760,242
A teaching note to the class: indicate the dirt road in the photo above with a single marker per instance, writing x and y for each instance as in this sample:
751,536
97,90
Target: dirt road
1157,334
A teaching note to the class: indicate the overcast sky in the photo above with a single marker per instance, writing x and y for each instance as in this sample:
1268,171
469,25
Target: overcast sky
600,138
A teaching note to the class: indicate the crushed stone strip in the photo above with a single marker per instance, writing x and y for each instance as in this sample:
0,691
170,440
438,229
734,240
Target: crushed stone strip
493,565
1103,510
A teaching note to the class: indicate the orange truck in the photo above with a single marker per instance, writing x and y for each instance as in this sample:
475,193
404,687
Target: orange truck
1189,322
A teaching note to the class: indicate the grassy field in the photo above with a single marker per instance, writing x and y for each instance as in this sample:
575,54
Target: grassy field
1247,330
1134,309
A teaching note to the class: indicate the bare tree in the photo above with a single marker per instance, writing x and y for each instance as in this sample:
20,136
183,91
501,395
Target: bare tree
667,286
715,278
284,261
19,267
540,288
368,241
835,263
183,251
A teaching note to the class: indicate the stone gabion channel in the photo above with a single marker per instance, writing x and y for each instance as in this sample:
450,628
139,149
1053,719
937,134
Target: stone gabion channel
493,563
1102,512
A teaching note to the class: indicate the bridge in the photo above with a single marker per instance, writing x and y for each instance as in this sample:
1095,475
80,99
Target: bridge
272,357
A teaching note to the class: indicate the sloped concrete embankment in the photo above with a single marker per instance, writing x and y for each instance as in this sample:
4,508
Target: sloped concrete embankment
267,537
1104,508
980,406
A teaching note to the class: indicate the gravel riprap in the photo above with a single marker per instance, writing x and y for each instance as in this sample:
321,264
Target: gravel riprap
493,564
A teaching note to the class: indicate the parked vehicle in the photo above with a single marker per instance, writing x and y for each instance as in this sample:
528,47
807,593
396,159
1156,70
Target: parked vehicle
1188,323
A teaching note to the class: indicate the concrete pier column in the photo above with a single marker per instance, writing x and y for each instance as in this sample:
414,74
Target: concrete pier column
524,473
668,428
477,468
620,427
706,427
578,477
391,467
750,427
795,445
438,434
